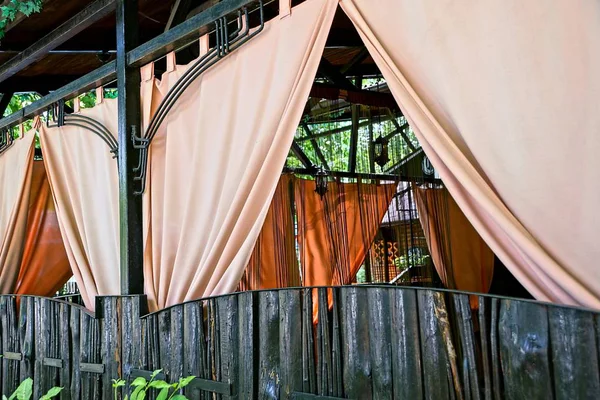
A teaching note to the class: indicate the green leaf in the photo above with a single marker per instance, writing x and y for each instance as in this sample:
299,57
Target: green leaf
52,393
183,382
141,396
136,392
179,397
164,393
159,384
158,371
25,390
118,383
139,381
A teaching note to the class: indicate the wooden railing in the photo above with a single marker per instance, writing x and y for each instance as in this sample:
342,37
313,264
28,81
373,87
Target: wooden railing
374,342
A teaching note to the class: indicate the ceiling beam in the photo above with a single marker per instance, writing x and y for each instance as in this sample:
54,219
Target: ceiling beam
329,71
315,146
400,130
357,59
92,13
179,13
354,95
301,155
4,101
354,138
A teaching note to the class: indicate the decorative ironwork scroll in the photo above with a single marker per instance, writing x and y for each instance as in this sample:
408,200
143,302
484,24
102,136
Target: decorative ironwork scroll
57,115
6,140
226,42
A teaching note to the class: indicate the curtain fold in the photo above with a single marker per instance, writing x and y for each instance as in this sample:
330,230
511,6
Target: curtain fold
273,263
45,266
335,233
460,256
84,181
16,168
215,163
502,96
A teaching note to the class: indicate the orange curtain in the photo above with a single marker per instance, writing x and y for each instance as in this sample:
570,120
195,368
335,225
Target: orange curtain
273,263
461,257
16,165
45,266
335,233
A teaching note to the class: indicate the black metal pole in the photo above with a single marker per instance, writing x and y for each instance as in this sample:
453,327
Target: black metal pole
130,205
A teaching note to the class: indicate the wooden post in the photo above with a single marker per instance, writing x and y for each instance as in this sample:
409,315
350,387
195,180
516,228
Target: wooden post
130,205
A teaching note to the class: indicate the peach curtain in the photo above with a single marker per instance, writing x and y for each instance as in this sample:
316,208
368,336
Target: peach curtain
16,166
503,97
273,263
460,256
45,266
335,233
84,182
215,163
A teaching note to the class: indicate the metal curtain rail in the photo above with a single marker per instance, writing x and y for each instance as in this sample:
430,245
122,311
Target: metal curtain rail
174,39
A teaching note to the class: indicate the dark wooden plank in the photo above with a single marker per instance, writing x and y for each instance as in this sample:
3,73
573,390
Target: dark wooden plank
324,363
495,349
380,343
524,350
308,396
92,368
355,338
164,342
309,379
208,386
268,379
26,332
192,319
65,349
39,350
109,308
290,339
229,339
248,345
336,342
467,338
54,362
406,350
10,343
75,322
131,333
485,346
436,363
574,349
176,352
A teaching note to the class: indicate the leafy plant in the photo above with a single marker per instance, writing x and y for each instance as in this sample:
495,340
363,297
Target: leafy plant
25,391
414,257
13,8
141,386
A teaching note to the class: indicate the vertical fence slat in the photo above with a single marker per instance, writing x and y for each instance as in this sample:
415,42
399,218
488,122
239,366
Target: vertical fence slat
131,334
268,379
485,346
176,353
75,326
574,349
380,343
467,337
192,320
64,350
336,356
10,343
324,365
436,363
111,348
406,350
26,333
247,350
290,338
229,339
524,350
309,380
355,339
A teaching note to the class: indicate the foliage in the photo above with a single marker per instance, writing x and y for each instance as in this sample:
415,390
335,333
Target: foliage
361,275
25,392
415,257
13,8
166,391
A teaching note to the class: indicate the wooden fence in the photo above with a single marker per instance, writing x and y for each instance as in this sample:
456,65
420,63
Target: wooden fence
375,342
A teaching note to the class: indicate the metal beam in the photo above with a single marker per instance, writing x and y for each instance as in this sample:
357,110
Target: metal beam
91,14
315,146
400,130
178,13
357,59
301,155
5,101
184,33
330,72
354,139
354,95
177,37
130,205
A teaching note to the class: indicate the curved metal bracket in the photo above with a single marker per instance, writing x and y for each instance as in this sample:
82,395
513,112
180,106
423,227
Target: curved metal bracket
6,140
59,118
226,43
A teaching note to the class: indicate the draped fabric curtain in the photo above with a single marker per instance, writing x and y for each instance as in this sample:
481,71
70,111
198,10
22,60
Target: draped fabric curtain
84,181
45,266
215,163
273,263
503,97
335,232
460,256
16,168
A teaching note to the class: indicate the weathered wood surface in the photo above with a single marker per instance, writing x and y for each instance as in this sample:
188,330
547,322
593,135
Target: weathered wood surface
361,342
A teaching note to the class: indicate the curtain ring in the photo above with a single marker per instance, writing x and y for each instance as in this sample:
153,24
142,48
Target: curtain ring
171,61
147,72
204,46
285,8
99,95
